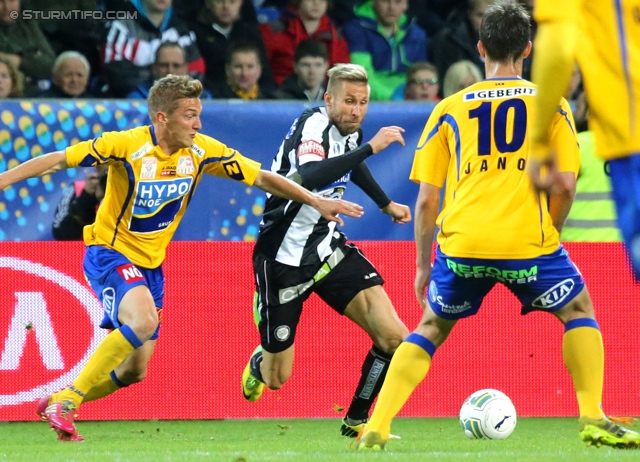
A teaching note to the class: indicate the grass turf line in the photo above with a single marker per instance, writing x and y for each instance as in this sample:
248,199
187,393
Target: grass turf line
294,440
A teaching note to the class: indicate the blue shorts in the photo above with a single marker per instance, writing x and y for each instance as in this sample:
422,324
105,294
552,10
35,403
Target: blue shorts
111,275
625,182
458,285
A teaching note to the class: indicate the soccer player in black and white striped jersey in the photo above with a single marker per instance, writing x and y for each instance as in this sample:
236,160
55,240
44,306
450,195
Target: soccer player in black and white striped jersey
298,252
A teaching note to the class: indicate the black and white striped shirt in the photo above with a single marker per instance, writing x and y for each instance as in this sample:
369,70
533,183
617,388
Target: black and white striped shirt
290,232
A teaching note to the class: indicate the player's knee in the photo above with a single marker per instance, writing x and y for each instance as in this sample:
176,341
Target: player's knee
144,330
390,344
145,324
580,307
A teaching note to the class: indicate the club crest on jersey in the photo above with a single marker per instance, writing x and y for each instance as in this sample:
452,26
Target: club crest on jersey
337,149
336,189
197,149
149,167
185,165
146,147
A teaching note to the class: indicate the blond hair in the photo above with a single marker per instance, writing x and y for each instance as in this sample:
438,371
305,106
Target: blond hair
167,91
454,78
348,73
17,79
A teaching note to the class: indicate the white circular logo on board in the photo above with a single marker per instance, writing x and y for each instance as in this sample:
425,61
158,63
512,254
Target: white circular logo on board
10,352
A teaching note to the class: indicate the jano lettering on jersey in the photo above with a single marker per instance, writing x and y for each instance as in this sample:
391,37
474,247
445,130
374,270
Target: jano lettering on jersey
500,163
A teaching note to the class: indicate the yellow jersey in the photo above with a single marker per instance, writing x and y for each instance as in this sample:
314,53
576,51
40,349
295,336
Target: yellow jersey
477,140
148,190
608,54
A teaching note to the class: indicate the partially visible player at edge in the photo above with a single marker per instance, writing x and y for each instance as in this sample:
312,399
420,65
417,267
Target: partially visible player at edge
477,141
604,38
153,172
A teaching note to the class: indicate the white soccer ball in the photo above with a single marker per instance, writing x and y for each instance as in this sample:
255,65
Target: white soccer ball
488,414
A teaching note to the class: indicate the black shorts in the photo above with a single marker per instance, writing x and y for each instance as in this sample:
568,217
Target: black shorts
281,290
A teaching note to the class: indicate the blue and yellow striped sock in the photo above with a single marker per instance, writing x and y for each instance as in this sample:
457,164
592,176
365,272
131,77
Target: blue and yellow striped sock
110,353
107,385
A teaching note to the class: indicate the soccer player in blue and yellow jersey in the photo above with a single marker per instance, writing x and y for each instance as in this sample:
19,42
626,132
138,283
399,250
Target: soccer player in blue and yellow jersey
495,228
153,171
604,38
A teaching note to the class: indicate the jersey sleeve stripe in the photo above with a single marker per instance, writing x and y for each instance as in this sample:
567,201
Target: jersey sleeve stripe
127,200
87,161
447,118
541,220
95,151
566,119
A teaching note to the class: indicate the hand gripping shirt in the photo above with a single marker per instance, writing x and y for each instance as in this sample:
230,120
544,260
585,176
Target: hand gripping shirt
477,141
147,190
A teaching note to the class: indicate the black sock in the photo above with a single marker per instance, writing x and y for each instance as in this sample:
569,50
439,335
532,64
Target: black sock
255,361
374,370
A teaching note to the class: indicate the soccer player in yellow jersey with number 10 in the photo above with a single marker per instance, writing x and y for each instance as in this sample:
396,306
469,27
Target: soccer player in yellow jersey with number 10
495,228
153,171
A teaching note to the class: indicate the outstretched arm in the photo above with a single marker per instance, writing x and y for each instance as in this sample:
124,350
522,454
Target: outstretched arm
362,178
324,172
280,186
38,166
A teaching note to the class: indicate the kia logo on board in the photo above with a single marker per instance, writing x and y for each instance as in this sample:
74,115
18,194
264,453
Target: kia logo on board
49,326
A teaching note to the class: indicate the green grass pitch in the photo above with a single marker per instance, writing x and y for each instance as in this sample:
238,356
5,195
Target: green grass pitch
295,440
